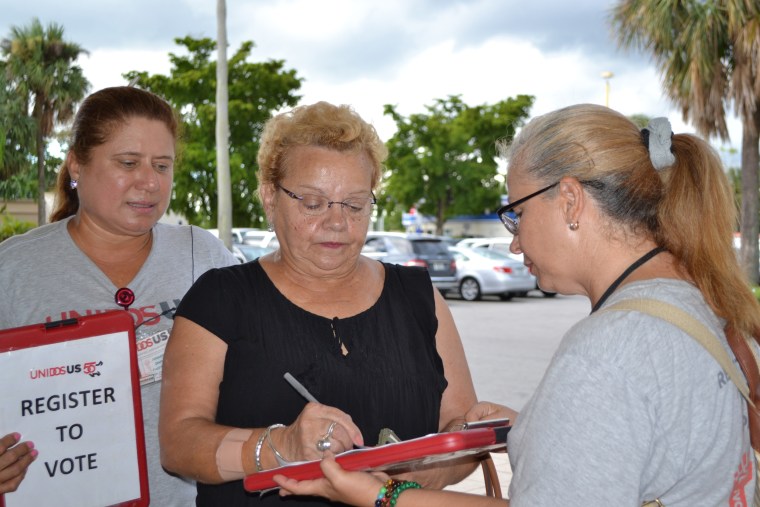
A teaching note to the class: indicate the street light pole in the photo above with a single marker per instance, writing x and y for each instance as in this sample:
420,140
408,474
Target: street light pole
607,75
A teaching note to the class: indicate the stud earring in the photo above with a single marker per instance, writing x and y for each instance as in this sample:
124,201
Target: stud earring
73,184
573,226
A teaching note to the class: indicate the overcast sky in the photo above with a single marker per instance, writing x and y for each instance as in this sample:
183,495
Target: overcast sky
368,53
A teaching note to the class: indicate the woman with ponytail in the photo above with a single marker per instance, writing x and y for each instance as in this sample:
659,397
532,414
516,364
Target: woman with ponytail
632,410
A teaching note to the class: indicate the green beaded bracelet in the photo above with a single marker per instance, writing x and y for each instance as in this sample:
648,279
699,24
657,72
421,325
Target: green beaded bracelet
400,489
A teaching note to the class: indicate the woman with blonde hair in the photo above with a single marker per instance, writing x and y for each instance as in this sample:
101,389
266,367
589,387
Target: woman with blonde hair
375,343
632,409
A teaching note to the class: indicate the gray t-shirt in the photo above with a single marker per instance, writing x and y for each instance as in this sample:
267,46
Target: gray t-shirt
45,277
631,409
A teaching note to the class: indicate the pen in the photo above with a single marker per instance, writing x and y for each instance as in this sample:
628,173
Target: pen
306,394
299,387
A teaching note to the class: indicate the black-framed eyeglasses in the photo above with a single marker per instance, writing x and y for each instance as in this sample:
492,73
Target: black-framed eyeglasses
509,218
314,205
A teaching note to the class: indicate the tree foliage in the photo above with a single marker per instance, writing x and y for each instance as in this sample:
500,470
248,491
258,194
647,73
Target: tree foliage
708,53
40,71
17,136
10,226
255,91
443,161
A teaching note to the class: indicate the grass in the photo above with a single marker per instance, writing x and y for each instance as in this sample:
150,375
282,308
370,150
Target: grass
756,291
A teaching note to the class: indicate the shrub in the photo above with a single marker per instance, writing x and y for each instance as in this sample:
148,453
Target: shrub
10,226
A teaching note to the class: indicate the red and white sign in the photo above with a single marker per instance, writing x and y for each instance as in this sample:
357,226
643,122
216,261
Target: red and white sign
73,389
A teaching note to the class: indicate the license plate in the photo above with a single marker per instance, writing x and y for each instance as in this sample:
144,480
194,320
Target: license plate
439,266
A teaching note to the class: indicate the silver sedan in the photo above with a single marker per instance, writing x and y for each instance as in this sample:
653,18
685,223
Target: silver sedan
481,271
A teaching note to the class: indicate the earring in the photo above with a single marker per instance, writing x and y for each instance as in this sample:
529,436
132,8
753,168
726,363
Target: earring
73,184
270,228
573,226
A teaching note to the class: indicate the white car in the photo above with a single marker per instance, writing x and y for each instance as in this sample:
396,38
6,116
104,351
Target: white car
237,233
246,253
481,271
261,238
499,244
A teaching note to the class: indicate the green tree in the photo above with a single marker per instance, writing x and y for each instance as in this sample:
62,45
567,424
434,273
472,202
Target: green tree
17,136
255,91
708,52
444,161
40,68
641,120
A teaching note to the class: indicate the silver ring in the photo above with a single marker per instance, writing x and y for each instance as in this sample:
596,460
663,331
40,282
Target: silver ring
324,444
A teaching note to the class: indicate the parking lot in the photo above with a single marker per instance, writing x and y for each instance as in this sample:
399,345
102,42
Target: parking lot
509,345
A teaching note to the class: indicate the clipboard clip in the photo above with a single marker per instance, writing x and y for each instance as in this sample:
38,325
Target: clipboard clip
387,436
61,323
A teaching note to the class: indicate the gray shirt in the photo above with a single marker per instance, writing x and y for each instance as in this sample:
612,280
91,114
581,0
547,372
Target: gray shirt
631,409
45,277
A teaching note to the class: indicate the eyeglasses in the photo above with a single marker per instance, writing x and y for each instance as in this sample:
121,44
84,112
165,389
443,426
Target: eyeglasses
314,205
509,218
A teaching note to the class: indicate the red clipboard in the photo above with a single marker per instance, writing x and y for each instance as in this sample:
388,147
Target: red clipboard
39,372
391,457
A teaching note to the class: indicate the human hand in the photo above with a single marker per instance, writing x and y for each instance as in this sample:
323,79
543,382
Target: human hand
15,458
486,410
353,488
299,441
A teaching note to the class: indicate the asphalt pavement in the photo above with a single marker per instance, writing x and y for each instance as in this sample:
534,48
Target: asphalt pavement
508,345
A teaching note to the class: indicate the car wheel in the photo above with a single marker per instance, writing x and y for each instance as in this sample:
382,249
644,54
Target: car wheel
521,294
469,289
506,296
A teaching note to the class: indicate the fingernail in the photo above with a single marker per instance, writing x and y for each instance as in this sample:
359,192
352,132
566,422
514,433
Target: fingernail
35,453
17,436
30,445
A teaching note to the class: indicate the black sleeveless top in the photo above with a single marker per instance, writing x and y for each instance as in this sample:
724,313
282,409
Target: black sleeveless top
392,376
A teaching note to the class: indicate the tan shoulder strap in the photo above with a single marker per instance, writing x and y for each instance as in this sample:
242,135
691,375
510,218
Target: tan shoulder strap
694,328
708,340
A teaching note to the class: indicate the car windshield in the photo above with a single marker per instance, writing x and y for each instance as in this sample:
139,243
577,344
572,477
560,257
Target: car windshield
426,247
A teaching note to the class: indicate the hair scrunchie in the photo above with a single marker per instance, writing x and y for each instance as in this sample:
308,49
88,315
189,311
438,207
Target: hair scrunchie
657,138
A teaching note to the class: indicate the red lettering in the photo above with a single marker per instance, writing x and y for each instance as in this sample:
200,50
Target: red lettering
742,477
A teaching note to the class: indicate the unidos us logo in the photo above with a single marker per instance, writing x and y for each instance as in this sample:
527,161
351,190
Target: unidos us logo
87,368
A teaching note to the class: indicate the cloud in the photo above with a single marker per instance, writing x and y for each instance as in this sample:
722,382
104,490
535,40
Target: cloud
374,52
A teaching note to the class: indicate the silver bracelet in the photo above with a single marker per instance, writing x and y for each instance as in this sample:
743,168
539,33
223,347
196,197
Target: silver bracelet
257,454
279,457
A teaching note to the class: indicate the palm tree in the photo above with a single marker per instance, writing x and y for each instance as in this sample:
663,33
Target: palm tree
40,64
707,52
16,136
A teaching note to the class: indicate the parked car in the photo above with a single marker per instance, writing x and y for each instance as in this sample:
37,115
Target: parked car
481,271
237,233
499,244
246,253
424,250
260,238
